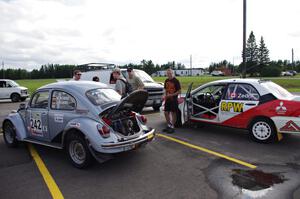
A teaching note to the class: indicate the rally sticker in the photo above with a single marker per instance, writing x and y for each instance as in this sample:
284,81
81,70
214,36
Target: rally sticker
58,118
232,107
290,126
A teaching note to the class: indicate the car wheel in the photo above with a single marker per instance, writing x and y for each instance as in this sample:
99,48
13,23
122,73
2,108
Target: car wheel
262,130
9,134
156,107
15,97
78,151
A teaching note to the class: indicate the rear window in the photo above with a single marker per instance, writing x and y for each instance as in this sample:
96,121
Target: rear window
101,96
277,90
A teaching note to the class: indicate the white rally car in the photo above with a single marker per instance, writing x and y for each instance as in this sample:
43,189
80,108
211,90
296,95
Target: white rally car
263,107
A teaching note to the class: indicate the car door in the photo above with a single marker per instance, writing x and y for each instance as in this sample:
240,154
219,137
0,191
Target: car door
2,89
186,107
37,116
238,99
62,110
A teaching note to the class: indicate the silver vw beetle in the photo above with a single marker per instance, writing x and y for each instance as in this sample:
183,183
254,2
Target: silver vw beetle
86,118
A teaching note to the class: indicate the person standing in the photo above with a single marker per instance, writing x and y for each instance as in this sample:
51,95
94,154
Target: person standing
76,75
172,90
134,81
120,82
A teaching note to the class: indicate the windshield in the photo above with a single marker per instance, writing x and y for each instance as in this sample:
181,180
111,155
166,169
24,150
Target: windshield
143,76
13,83
101,96
277,90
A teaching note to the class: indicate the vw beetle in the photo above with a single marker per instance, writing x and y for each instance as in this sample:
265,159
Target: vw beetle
86,118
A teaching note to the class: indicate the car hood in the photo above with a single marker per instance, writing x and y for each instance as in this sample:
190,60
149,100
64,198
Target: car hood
134,102
153,85
22,88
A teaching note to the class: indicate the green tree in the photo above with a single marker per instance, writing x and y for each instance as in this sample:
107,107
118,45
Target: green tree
263,53
251,54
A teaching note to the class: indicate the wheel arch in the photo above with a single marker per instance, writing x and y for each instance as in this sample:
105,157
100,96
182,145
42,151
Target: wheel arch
261,117
70,131
17,121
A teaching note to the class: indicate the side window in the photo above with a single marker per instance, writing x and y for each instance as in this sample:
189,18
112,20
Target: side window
40,100
241,92
62,101
2,84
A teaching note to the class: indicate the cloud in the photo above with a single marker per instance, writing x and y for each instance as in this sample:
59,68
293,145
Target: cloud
36,32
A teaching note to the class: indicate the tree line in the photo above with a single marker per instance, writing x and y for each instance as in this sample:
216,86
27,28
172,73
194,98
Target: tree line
257,64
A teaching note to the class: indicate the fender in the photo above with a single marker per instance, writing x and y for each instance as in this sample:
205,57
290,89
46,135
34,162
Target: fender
89,128
16,119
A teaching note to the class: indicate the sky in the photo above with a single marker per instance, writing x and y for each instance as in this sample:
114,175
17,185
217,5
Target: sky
36,32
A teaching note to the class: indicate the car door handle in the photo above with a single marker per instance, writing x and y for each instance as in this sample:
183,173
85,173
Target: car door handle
250,104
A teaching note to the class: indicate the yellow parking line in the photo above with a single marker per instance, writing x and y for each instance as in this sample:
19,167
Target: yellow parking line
52,186
208,151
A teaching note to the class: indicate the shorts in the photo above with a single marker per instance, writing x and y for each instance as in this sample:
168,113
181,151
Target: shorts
171,105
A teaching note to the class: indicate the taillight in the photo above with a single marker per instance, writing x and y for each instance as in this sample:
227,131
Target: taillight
107,121
104,131
142,118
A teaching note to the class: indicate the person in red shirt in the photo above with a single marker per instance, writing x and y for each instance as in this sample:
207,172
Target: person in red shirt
172,90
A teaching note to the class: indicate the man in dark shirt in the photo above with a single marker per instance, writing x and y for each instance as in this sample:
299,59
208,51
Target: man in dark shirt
172,90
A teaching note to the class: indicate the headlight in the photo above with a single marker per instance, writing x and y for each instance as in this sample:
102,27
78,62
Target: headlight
23,91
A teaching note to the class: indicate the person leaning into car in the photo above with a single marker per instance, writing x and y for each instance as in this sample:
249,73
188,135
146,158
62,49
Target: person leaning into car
135,82
172,90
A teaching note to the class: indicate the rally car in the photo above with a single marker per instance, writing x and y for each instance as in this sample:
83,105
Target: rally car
263,107
86,118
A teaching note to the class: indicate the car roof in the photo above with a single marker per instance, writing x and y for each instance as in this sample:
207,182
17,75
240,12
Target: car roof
238,80
75,85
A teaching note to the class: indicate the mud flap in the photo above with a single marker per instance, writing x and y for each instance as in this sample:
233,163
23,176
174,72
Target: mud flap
279,136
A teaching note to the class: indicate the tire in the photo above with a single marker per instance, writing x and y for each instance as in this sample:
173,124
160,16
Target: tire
156,107
262,130
15,97
78,151
9,135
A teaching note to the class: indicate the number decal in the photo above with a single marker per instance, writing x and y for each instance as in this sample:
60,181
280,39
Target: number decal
36,126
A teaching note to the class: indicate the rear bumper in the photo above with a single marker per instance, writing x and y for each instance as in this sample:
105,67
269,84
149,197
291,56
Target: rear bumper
128,144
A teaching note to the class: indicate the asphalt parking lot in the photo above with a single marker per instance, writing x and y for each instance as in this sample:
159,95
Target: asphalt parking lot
206,162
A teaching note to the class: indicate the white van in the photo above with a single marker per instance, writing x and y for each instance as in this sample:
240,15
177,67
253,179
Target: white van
10,89
155,90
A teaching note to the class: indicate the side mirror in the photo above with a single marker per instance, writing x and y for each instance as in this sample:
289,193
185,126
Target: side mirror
22,106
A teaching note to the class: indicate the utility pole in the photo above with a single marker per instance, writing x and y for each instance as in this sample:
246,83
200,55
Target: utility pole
3,74
292,59
244,38
191,65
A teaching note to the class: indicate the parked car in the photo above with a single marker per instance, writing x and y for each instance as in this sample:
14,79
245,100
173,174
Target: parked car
217,73
287,73
87,119
154,89
263,107
10,89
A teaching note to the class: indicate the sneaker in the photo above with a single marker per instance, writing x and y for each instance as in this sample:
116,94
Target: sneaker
166,129
171,130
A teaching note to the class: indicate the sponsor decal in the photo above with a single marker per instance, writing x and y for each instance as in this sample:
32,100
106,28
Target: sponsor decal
58,118
232,107
75,124
290,126
281,109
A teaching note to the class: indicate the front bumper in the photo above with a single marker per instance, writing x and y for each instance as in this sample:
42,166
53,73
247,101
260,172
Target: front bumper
128,144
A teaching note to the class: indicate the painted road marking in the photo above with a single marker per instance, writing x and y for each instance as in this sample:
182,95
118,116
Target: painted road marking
52,186
208,151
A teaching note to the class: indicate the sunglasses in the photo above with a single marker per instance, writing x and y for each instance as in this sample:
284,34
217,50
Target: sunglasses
78,74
